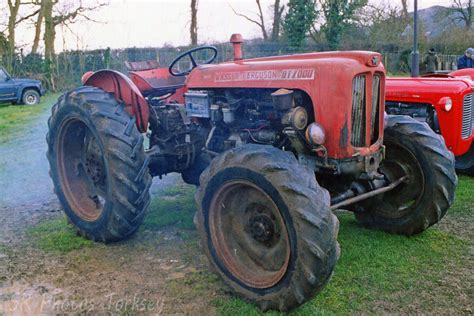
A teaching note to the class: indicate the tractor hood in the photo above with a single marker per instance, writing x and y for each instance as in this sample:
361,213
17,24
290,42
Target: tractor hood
425,90
289,71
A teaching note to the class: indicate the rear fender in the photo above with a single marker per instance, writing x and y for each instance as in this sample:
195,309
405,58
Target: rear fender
124,90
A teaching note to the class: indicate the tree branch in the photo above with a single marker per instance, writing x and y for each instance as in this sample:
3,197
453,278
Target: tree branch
246,17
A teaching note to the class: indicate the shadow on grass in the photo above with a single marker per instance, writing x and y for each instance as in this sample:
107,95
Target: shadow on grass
173,206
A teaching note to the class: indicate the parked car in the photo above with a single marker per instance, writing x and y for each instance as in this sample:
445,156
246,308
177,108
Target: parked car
19,91
445,102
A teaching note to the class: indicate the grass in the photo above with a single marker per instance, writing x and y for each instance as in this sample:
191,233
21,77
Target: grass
13,118
57,236
173,206
464,196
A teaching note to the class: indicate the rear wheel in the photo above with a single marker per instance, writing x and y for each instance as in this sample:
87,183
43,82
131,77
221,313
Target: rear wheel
413,150
98,164
266,226
465,163
30,97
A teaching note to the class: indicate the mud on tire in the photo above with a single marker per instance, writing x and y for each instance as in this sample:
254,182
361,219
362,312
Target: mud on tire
261,204
98,164
429,192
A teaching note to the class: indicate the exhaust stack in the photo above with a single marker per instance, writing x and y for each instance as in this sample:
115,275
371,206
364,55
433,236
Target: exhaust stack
237,40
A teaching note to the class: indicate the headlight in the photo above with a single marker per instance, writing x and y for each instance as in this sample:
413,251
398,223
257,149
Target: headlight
446,103
315,134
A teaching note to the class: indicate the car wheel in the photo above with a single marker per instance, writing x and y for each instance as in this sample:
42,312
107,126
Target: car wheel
30,97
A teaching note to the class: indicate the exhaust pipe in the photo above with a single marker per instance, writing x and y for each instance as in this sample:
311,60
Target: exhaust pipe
237,40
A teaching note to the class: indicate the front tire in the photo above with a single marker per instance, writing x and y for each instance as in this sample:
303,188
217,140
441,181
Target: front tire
266,226
465,163
30,97
98,164
413,150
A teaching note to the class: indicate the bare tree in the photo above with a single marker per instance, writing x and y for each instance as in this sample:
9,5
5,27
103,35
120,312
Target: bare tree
260,21
13,20
277,13
193,27
38,25
405,8
464,10
67,15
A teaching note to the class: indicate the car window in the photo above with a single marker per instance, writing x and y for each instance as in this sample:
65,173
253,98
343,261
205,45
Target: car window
3,75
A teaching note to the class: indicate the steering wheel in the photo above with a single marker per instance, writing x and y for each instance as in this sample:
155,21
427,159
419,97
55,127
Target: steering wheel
193,61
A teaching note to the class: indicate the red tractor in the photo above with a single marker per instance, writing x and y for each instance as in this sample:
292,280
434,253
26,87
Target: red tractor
445,102
275,145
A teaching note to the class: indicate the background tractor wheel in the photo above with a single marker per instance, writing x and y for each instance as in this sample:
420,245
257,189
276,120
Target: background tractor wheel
465,163
266,226
412,149
30,97
98,164
191,175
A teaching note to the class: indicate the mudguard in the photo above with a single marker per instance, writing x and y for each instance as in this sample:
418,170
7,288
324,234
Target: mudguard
124,90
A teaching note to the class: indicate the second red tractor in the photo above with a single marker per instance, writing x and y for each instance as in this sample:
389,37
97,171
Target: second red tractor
445,103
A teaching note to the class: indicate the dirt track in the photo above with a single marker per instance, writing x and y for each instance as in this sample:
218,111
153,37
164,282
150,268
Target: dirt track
138,275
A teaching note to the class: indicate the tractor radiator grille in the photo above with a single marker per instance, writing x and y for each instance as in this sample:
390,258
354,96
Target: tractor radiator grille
467,116
358,111
374,132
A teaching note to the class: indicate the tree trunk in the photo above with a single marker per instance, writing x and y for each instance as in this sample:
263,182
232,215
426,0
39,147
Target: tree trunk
193,27
13,6
277,12
49,29
405,8
38,24
49,37
262,22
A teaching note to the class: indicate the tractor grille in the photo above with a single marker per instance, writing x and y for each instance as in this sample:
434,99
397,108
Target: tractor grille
374,132
358,111
467,116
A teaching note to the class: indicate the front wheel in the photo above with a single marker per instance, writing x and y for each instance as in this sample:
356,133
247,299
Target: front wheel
30,97
465,163
97,164
415,151
266,226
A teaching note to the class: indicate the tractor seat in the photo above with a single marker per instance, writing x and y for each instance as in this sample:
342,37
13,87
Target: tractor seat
152,80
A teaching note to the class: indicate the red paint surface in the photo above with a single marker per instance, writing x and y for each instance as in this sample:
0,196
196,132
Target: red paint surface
431,91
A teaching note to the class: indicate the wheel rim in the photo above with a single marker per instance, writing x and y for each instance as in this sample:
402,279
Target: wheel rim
400,162
249,234
30,99
81,169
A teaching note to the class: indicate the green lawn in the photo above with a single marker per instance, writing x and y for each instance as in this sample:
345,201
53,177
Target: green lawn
15,117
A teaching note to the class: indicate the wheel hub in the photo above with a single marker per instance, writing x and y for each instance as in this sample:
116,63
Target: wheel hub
93,163
261,228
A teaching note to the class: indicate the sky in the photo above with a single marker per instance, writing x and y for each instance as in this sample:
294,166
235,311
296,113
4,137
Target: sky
154,23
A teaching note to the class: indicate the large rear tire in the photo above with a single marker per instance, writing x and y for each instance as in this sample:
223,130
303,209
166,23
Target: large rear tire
266,226
97,164
413,150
